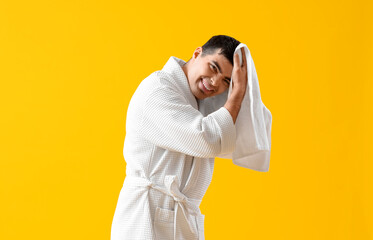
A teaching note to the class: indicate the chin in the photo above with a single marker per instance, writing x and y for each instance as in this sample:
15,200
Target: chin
199,97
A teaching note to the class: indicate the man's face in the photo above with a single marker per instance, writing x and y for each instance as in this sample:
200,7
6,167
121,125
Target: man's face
209,75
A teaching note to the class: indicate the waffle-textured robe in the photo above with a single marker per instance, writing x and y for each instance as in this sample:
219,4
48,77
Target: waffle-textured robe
169,151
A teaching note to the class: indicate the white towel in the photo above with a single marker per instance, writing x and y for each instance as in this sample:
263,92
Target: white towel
253,123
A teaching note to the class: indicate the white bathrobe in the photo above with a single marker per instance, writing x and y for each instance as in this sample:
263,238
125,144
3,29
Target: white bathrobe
169,149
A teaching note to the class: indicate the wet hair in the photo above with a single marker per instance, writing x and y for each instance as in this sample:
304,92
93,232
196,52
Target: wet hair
224,43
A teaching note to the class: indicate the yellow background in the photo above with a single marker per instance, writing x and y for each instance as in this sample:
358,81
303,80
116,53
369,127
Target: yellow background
69,68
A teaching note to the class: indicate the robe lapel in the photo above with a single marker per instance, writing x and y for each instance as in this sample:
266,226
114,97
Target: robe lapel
173,67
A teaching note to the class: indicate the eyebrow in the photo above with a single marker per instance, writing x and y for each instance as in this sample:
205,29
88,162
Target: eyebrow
217,65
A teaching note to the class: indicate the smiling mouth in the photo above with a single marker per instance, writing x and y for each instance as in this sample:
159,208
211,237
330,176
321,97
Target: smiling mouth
203,82
205,88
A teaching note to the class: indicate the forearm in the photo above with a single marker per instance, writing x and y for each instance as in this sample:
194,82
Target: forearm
233,104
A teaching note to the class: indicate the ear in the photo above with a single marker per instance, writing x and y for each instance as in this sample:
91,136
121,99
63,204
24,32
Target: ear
197,52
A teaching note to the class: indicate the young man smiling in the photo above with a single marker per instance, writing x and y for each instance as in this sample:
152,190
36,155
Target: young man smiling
172,140
209,72
208,75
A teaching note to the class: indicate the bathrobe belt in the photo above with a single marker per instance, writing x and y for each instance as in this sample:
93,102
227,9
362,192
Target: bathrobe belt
188,206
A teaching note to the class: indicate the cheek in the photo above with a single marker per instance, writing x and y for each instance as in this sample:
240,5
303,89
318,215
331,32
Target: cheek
204,73
223,88
197,78
197,75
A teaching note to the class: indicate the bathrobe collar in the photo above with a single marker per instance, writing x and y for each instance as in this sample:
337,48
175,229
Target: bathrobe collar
173,67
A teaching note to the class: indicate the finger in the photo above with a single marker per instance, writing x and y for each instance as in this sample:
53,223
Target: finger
236,60
243,57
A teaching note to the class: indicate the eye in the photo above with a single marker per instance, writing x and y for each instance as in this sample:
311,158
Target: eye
213,67
227,81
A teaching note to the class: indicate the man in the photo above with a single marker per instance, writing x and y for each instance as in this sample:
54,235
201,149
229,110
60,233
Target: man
170,145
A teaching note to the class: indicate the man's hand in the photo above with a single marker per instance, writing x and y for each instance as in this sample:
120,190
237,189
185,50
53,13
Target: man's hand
239,84
239,74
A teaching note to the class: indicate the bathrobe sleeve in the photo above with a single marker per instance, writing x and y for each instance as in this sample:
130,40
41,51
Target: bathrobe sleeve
171,122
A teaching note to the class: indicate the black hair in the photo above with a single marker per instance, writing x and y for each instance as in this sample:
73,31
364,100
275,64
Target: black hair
226,44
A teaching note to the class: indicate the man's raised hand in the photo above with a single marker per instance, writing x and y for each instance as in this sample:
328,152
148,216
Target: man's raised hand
239,74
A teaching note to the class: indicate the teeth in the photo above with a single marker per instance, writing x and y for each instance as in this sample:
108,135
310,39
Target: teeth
203,82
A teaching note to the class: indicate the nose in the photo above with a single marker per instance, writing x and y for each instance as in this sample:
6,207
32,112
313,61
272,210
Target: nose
215,81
